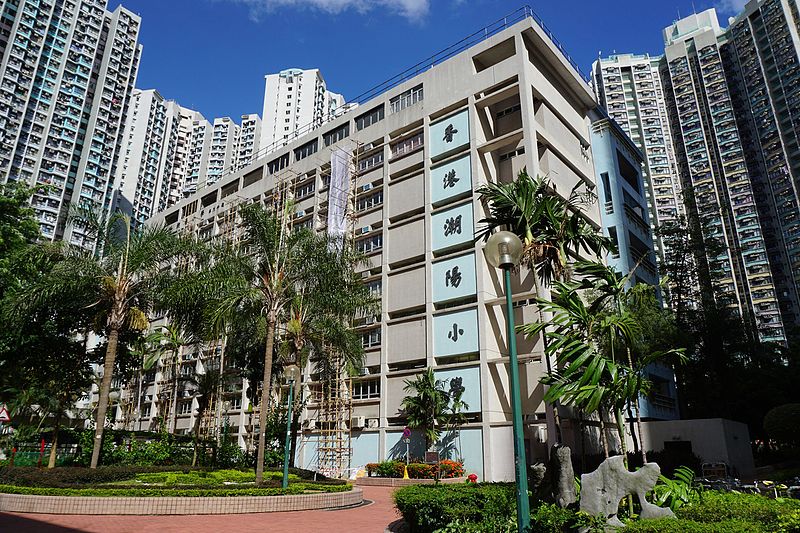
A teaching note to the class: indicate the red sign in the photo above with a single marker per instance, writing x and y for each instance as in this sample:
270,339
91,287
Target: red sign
4,416
406,432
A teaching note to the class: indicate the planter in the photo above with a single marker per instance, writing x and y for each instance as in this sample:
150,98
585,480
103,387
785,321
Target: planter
169,505
400,482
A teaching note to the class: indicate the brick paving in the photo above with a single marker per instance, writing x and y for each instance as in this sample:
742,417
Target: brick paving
373,518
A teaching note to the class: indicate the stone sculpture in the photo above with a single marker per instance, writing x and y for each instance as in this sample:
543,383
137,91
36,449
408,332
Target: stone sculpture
603,489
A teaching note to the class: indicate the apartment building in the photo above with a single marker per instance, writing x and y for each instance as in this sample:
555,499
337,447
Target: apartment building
711,161
295,102
223,152
199,152
761,61
619,170
67,71
417,152
249,140
629,88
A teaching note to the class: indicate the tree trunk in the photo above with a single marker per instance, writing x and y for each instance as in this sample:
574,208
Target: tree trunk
603,436
262,435
196,436
639,430
56,427
102,401
550,410
173,408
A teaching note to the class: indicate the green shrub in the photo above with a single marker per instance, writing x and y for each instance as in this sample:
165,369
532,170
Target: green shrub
427,508
421,471
297,488
72,476
714,507
782,423
671,525
390,469
675,493
789,522
550,518
508,525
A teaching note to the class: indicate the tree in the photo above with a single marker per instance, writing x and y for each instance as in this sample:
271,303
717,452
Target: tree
125,285
207,388
551,227
254,286
172,340
426,405
18,226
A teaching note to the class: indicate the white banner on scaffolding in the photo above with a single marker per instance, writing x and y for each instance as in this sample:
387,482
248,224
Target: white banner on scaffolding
338,191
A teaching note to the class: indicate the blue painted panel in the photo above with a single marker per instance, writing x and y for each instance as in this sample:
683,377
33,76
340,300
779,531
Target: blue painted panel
451,179
455,333
365,449
396,448
452,227
454,278
470,380
307,453
465,444
449,134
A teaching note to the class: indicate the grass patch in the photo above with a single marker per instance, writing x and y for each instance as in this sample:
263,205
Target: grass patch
201,478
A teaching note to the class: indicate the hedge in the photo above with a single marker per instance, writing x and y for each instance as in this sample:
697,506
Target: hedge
427,508
77,477
715,507
297,488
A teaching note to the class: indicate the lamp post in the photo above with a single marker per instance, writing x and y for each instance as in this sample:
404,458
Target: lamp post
291,373
503,250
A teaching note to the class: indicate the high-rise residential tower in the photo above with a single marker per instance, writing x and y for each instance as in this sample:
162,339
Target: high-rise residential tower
762,63
711,161
249,140
224,144
67,71
295,102
629,87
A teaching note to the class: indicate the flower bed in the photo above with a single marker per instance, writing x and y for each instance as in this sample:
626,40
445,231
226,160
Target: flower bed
395,469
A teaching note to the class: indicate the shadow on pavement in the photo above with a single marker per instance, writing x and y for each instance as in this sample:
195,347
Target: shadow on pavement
398,526
27,524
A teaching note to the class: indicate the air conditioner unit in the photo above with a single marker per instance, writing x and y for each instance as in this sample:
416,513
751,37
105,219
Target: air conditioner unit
373,423
366,187
300,214
365,229
311,424
364,371
367,146
357,422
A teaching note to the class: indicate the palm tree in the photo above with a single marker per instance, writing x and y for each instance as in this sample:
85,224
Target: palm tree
258,282
125,284
426,405
171,341
551,228
207,389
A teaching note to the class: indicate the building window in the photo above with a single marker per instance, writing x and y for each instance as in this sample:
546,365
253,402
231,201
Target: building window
409,144
369,201
364,390
371,338
185,408
146,411
375,288
370,161
406,99
305,150
369,118
236,403
370,244
512,154
304,191
278,164
508,111
337,135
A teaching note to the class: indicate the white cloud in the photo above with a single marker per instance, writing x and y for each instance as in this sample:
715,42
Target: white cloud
414,10
730,7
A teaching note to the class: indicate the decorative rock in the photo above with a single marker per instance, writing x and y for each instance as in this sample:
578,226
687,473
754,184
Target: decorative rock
603,489
562,476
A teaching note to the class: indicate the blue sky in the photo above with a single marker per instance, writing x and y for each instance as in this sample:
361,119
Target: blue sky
212,55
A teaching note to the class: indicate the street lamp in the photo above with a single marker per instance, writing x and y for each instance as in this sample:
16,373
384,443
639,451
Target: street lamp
503,250
291,374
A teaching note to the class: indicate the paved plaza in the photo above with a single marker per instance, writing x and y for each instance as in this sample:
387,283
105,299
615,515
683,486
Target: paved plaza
375,517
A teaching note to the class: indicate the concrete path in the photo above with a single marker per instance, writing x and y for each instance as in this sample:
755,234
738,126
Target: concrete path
376,517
